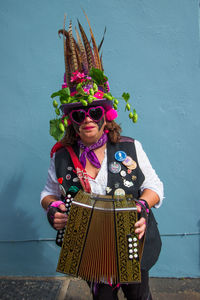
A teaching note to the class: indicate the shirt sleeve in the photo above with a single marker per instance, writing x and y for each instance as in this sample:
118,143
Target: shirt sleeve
152,180
52,185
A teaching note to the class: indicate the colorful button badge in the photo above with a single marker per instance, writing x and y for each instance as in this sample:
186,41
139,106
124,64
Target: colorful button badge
120,155
114,167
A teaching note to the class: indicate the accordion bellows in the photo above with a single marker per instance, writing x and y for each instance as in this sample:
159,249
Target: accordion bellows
100,244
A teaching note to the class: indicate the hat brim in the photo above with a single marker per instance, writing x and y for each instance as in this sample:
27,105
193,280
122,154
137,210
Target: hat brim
107,104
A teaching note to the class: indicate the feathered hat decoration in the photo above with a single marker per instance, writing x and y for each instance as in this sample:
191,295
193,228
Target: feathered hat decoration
84,80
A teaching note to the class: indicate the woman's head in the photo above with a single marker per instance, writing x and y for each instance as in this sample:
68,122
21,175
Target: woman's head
111,127
85,84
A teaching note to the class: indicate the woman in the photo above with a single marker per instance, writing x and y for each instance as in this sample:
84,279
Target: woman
115,165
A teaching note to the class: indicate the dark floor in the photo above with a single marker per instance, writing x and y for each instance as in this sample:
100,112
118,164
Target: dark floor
66,288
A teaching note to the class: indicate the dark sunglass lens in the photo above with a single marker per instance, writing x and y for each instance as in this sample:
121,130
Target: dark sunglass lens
78,116
96,113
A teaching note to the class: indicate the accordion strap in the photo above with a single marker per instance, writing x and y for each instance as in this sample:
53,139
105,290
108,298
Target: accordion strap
81,172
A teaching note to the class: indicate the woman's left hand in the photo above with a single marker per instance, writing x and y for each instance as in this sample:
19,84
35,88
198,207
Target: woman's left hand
140,225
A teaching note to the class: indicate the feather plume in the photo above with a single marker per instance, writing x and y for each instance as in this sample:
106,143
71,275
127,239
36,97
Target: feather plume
87,47
82,51
65,52
73,51
78,56
100,45
69,60
95,49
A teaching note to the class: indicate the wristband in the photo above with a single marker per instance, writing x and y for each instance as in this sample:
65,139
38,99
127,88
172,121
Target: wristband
54,204
145,204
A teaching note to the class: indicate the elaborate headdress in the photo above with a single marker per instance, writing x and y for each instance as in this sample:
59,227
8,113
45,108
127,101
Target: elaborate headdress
84,80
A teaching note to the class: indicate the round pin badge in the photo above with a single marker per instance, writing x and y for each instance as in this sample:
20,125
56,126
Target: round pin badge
120,155
119,192
123,173
114,167
68,177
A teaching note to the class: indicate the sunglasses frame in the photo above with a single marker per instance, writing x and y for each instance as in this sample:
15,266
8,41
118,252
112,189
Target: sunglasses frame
86,114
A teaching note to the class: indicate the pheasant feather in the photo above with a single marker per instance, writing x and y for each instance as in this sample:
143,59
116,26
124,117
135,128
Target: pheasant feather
95,49
82,51
88,49
73,51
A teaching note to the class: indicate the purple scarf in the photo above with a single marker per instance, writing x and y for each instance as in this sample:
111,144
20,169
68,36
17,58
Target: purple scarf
89,153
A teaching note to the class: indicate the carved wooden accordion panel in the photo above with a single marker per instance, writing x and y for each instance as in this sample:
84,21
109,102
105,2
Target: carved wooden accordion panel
100,244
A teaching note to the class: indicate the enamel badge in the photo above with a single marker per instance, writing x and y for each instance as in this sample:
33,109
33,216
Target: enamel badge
120,155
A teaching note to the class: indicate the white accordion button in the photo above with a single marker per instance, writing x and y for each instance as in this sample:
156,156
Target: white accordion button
130,240
135,245
135,239
135,250
135,256
130,245
131,256
130,250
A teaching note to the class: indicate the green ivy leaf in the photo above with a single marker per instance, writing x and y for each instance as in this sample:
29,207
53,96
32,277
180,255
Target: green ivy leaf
98,76
55,130
126,96
64,92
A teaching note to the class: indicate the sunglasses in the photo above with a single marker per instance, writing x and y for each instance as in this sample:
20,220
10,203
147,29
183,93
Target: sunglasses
78,116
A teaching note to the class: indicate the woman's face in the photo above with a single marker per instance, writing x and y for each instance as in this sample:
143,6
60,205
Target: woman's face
89,130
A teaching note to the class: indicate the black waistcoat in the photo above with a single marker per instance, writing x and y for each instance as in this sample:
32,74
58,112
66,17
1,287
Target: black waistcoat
130,184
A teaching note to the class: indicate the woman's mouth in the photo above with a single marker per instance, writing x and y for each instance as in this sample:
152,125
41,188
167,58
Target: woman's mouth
88,127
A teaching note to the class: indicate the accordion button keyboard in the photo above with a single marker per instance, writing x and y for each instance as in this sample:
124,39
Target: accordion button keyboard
60,234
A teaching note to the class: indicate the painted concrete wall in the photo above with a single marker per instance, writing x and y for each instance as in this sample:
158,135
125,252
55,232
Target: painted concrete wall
152,51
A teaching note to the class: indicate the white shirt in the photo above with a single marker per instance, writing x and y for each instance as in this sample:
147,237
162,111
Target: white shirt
99,184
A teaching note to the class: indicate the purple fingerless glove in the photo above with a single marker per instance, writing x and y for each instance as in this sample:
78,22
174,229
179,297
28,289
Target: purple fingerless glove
51,210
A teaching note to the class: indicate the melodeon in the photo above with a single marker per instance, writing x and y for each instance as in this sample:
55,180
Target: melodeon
100,244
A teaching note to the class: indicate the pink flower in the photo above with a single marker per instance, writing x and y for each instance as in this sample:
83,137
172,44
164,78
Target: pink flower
99,94
86,90
107,85
64,85
73,93
77,77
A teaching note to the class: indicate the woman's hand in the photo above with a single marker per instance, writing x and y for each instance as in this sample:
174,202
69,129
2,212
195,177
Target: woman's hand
60,218
140,225
56,215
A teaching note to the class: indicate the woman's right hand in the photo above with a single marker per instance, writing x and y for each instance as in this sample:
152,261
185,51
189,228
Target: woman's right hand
56,214
60,218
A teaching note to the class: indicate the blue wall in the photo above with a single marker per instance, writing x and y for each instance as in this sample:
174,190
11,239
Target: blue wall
152,50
